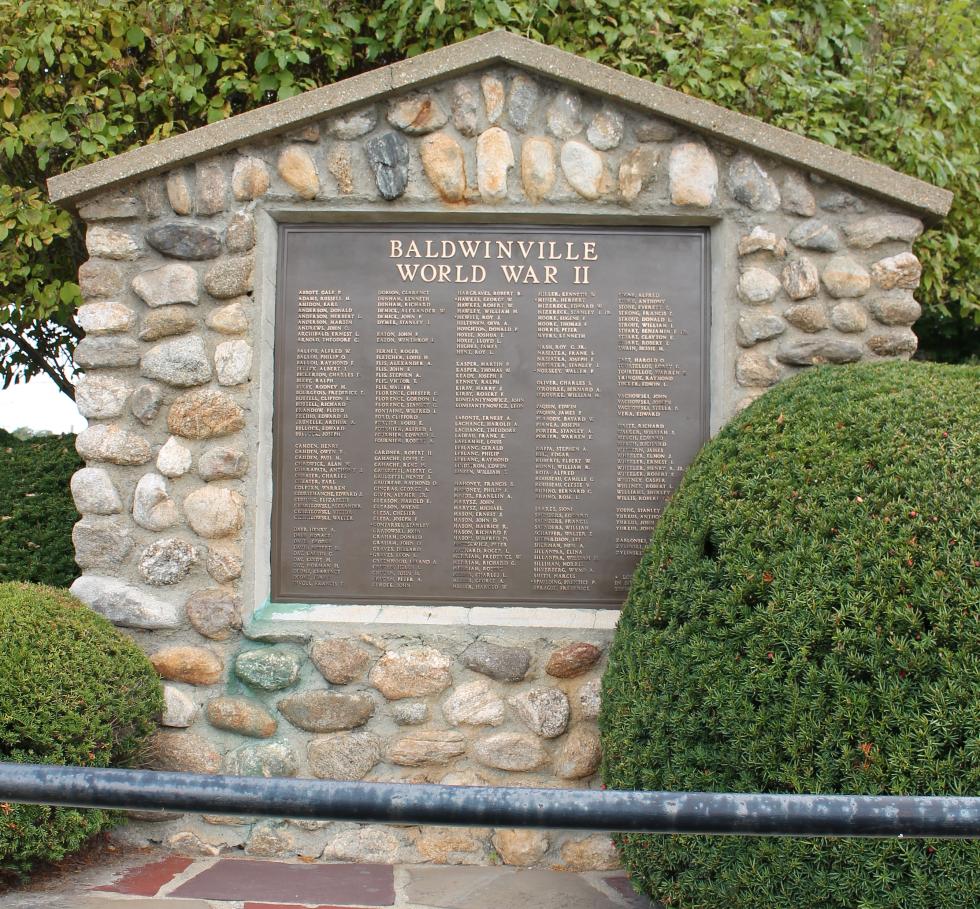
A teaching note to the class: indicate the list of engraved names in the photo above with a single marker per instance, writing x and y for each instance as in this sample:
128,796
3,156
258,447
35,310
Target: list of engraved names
481,414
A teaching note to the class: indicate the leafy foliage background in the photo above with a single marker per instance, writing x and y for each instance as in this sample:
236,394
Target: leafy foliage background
36,509
805,620
80,80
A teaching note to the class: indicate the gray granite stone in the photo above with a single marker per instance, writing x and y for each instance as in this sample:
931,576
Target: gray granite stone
106,353
145,403
815,234
521,101
172,283
166,562
752,186
755,327
125,604
101,542
812,353
182,362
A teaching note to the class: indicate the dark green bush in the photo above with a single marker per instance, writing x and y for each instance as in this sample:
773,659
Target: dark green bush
806,619
73,690
36,510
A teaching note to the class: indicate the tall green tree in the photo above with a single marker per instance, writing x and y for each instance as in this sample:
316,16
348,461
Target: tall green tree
80,80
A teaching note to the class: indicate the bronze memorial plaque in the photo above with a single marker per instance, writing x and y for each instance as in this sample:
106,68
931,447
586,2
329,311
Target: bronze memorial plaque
475,414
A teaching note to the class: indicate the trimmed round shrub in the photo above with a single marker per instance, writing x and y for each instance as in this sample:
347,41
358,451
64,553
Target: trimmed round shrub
806,619
74,691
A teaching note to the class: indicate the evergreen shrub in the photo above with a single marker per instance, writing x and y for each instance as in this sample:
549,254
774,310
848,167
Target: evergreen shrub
36,509
806,619
73,690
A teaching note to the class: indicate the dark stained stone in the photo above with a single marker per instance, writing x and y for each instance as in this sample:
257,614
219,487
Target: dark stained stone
505,664
388,156
812,353
184,241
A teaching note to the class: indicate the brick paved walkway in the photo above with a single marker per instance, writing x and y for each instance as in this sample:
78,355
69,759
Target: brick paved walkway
177,882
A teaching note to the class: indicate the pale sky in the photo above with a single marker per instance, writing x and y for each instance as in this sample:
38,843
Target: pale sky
39,404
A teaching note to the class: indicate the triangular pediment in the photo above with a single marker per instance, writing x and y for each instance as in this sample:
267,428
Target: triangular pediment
495,48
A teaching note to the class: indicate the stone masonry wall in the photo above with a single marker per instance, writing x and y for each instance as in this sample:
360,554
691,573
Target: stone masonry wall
818,274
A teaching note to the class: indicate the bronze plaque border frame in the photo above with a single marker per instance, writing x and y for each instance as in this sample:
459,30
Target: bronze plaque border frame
520,221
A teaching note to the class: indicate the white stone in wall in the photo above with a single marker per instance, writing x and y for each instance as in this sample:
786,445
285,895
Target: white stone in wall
214,512
94,492
636,170
178,709
584,169
564,116
125,604
353,124
693,175
182,362
494,159
757,286
474,704
110,243
101,397
233,362
112,443
105,318
153,508
537,167
173,460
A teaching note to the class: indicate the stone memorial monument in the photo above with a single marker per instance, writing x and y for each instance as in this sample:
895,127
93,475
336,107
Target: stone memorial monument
388,383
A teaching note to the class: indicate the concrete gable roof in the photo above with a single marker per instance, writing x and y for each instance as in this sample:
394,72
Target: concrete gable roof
486,50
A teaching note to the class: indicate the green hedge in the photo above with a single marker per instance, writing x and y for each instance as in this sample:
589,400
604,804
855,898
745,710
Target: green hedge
806,619
73,690
36,509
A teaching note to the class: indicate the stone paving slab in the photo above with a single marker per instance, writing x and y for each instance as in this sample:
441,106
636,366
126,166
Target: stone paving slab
494,888
244,879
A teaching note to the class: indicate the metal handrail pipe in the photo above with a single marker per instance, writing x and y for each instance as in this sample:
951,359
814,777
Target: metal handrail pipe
747,814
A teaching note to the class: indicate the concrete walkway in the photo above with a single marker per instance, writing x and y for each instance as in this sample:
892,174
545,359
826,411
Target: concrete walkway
167,881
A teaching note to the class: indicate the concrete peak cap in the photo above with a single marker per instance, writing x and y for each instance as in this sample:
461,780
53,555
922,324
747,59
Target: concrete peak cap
476,53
